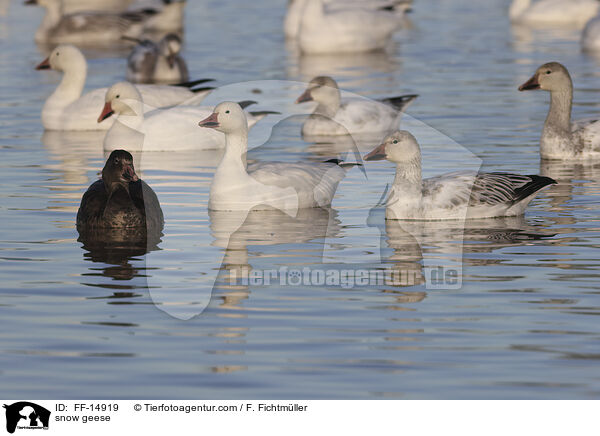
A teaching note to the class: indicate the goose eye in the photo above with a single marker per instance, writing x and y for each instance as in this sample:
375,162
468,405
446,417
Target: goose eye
118,96
226,112
548,72
395,141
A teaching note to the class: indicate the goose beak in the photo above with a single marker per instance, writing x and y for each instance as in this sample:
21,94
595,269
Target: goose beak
304,97
531,84
129,174
212,121
106,112
44,65
377,154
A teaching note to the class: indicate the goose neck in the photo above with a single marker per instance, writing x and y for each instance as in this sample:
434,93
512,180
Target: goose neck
559,115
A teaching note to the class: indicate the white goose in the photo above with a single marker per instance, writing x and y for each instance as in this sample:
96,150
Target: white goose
150,62
168,129
95,27
284,186
561,138
590,38
549,12
344,31
334,116
451,196
293,16
68,109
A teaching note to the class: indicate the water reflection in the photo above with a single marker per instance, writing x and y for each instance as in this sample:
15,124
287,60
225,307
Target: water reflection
292,240
117,250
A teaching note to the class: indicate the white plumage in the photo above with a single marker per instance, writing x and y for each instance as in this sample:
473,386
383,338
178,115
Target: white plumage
337,116
168,129
284,186
561,138
68,109
458,195
345,30
553,12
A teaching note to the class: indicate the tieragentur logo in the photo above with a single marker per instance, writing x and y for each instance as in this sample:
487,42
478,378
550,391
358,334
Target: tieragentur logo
26,415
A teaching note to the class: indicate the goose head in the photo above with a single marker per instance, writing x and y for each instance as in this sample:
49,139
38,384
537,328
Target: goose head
65,57
169,47
324,90
119,170
121,98
552,76
399,147
227,117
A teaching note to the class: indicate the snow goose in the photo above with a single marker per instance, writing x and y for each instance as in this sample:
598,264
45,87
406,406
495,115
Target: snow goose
293,16
337,116
457,195
150,62
68,109
95,27
344,31
562,139
168,129
119,199
590,38
550,12
284,186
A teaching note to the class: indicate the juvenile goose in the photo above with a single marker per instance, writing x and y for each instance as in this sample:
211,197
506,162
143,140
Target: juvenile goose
101,26
68,109
334,116
293,16
548,12
119,199
562,139
344,31
150,62
166,129
450,196
284,186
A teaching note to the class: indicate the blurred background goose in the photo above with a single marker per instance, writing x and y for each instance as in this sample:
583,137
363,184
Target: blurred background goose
295,8
550,12
151,62
346,30
93,27
450,196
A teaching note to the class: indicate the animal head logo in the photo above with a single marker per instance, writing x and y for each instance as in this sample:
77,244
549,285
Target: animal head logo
26,415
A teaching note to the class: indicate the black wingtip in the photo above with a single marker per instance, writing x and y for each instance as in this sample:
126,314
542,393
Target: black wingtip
193,83
204,88
263,113
245,103
401,101
537,183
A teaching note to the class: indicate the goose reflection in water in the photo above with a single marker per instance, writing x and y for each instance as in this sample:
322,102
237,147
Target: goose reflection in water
118,250
251,240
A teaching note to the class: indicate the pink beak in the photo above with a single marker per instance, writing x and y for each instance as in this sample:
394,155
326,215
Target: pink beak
304,97
212,121
377,154
44,65
130,174
106,112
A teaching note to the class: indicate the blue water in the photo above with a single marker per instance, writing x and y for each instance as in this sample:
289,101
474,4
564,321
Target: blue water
519,321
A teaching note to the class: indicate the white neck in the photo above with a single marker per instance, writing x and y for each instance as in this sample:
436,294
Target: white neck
518,7
134,117
70,87
54,12
407,192
312,13
557,138
329,108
